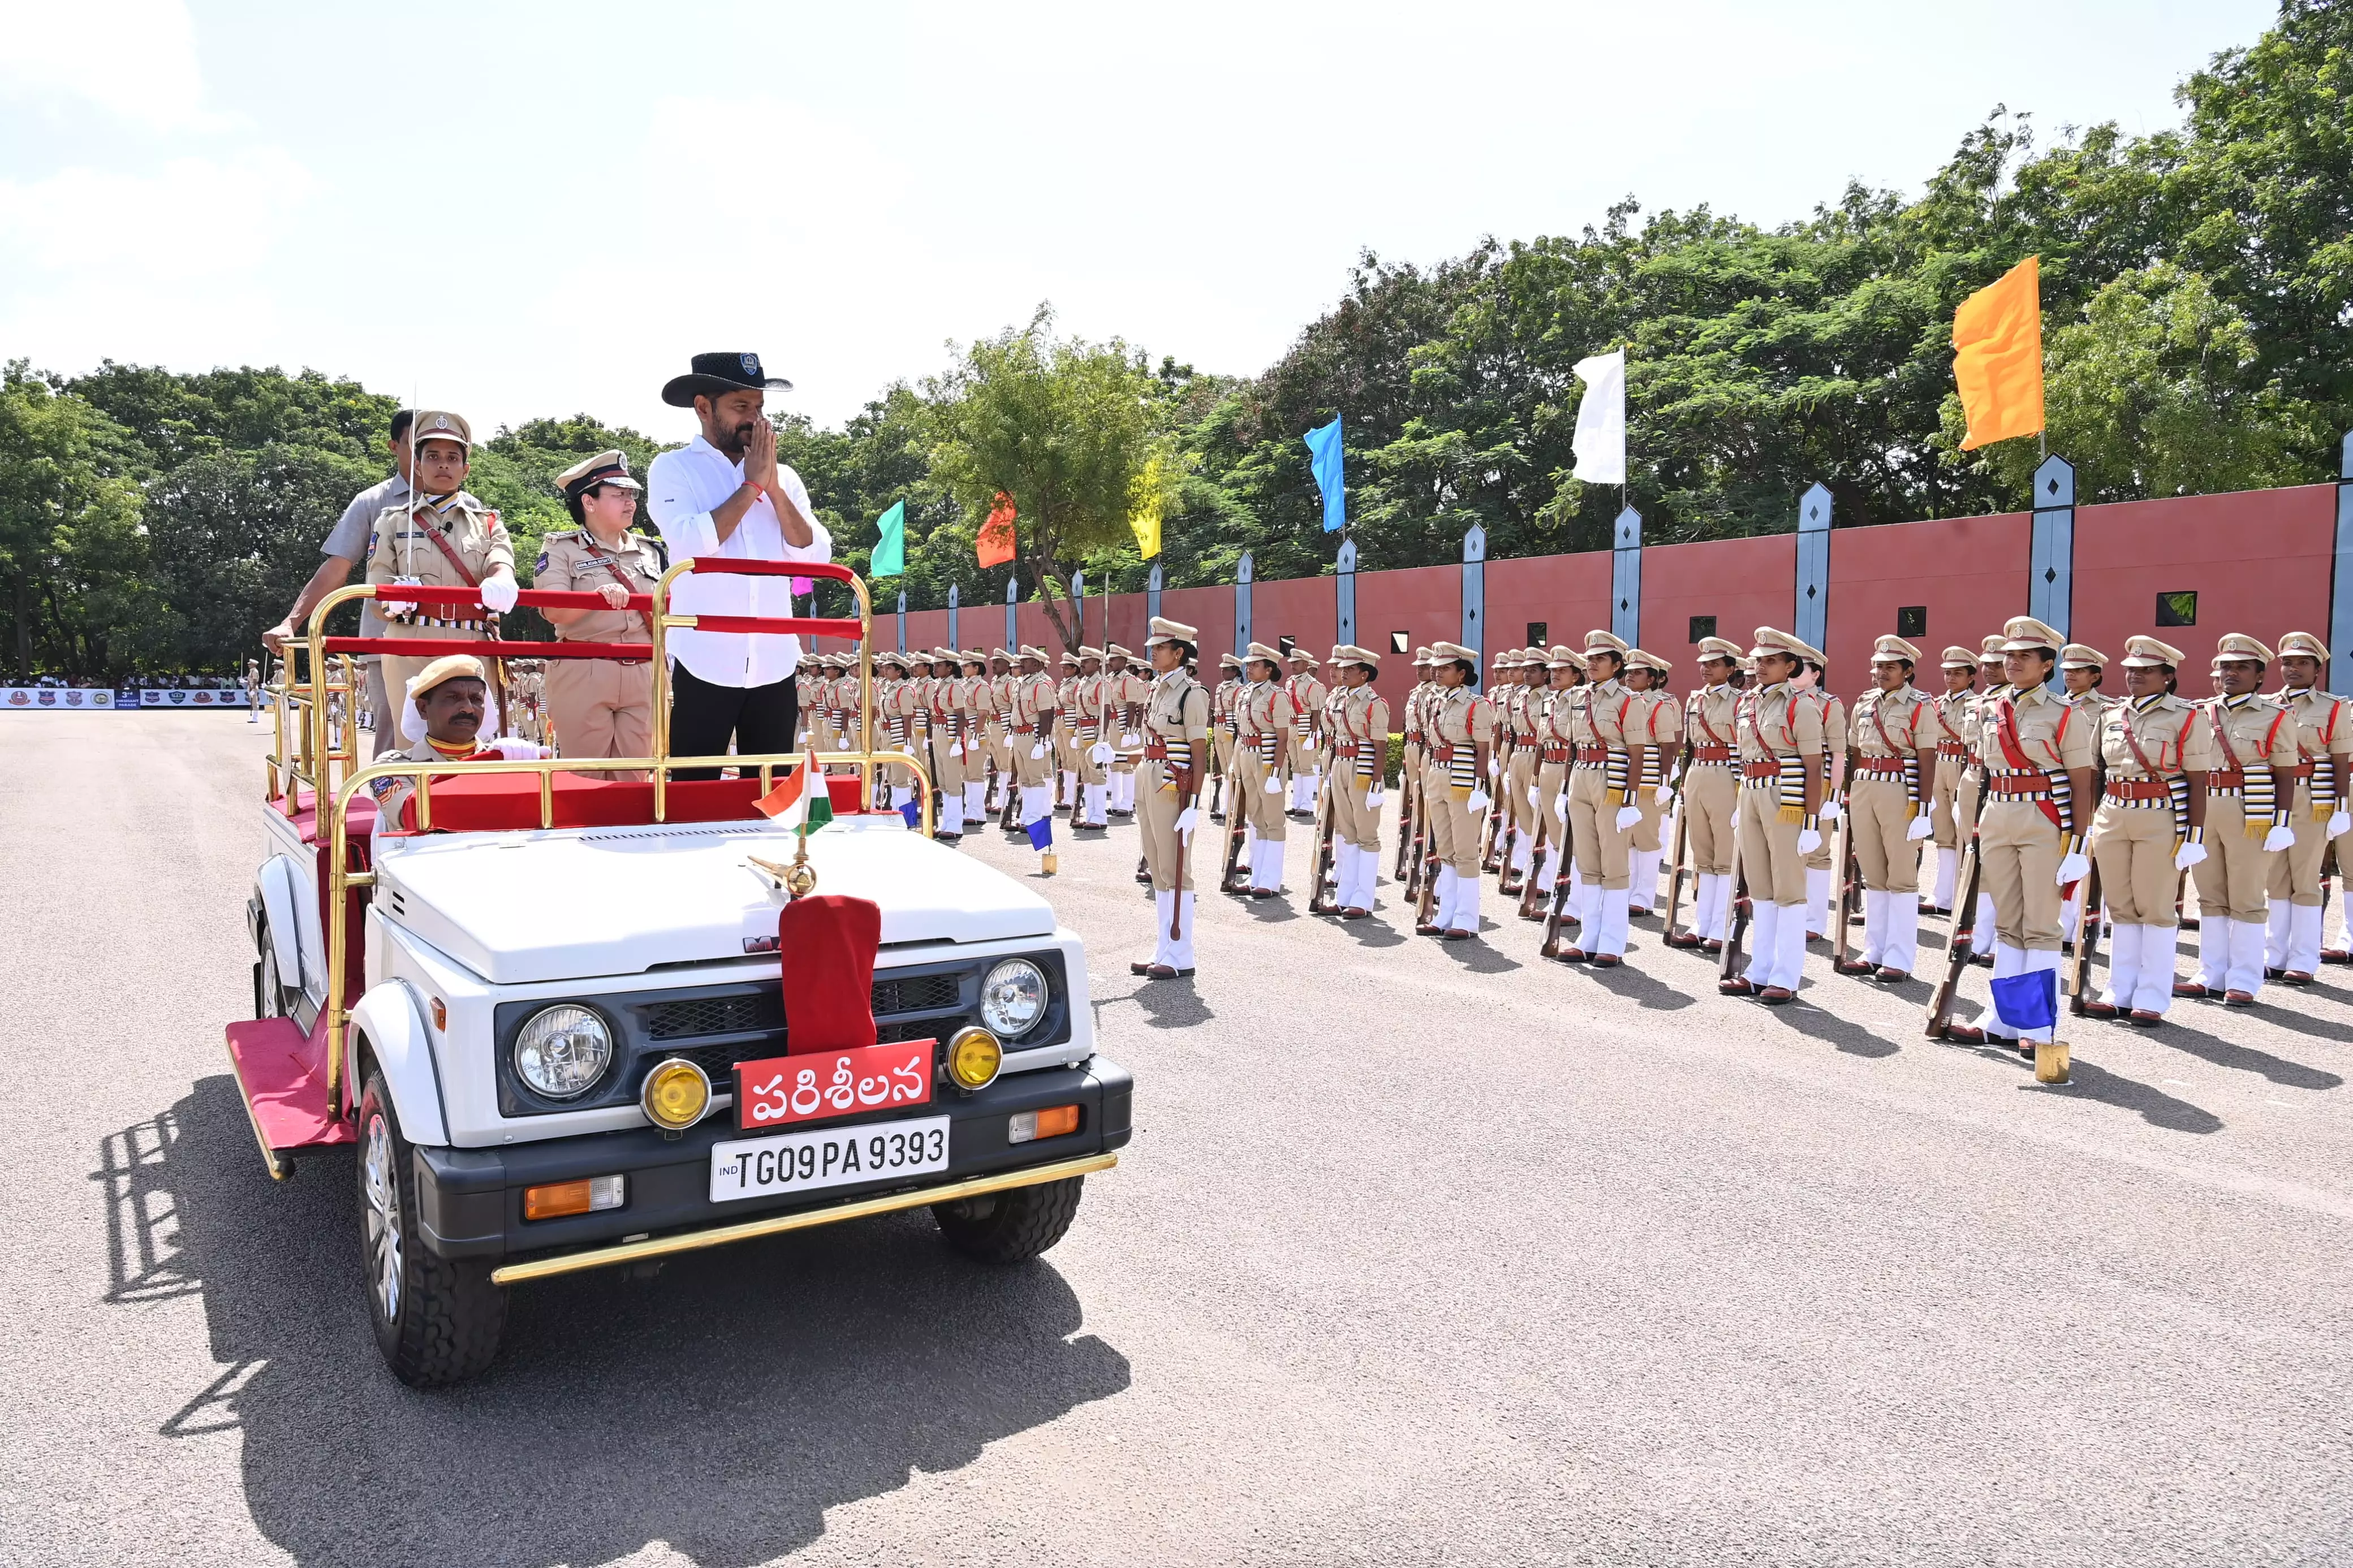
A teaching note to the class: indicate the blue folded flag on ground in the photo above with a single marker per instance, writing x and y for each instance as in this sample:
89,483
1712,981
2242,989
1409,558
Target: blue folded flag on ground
1041,833
913,811
2028,1001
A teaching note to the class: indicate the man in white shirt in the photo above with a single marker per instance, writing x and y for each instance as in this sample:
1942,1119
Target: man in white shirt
724,494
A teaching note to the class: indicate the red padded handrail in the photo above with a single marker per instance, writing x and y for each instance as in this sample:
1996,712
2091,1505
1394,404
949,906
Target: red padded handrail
542,598
813,625
434,648
744,567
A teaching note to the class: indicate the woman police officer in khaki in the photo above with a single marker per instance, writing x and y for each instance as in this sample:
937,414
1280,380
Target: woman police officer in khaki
602,706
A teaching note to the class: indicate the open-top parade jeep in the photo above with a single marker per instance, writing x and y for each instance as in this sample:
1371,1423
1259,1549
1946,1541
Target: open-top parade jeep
546,1005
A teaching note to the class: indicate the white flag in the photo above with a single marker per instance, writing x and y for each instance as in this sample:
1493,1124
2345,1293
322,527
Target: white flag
1600,440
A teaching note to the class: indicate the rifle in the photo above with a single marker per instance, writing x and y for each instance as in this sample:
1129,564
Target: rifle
1849,878
1328,818
1408,820
1957,954
1675,869
2087,939
1492,833
1238,822
1536,861
1736,930
1562,877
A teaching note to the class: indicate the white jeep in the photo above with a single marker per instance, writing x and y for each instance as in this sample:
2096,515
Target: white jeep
548,994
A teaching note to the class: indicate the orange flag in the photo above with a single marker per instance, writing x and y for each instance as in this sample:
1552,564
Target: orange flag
1998,356
995,542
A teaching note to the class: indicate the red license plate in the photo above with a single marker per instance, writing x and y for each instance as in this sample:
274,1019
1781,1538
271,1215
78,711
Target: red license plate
777,1091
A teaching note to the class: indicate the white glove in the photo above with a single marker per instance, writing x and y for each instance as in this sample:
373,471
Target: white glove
1131,741
1560,804
2190,853
1374,796
1037,750
516,750
1273,784
1808,840
842,745
956,749
1494,765
1628,815
499,591
2279,839
2339,823
1531,794
1479,801
1921,827
1831,809
1101,753
1664,795
1184,821
2073,869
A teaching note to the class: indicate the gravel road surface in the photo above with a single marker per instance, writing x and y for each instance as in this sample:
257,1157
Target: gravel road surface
1424,1253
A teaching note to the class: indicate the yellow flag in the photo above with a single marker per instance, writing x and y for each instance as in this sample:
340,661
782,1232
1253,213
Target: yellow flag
1146,499
1998,356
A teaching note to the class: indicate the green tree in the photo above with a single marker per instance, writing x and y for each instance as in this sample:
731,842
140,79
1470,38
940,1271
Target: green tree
1059,424
72,554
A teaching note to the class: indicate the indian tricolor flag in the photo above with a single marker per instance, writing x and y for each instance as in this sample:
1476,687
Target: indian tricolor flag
802,803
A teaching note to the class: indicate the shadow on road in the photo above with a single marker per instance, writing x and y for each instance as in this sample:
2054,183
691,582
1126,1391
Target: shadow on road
1807,1018
2223,1053
1645,990
721,1407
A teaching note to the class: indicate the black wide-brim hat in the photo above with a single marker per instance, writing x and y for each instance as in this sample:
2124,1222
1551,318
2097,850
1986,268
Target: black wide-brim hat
714,375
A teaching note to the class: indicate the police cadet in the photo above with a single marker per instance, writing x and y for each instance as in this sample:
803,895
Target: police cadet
1001,677
1779,730
438,536
1264,734
1459,730
2250,796
1611,724
1032,714
947,718
976,697
1090,741
601,707
1176,737
2323,741
1358,719
2156,752
1124,691
1992,687
1525,681
2082,669
890,724
1813,676
1307,693
1555,748
1889,742
1222,733
2038,749
1952,732
1711,792
1647,673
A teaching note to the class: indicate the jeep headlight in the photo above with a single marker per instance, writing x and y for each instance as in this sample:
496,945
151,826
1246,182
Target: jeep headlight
1013,998
562,1052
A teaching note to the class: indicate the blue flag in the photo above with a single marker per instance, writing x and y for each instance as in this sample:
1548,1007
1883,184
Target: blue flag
2028,1001
1041,833
890,557
1324,457
914,812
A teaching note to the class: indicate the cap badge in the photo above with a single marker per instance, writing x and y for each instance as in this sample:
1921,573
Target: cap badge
752,364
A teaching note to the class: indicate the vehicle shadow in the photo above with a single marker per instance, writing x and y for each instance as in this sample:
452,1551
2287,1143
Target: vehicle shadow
721,1407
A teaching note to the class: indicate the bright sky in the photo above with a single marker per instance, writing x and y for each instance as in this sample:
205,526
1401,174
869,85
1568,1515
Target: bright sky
522,209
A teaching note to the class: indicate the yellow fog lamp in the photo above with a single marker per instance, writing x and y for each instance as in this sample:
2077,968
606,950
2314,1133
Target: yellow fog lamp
676,1094
973,1057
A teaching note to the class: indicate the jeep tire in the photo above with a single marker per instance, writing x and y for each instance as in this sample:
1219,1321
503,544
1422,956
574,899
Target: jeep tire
437,1320
1010,1226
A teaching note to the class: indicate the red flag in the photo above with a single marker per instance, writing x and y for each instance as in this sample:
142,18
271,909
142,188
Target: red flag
995,542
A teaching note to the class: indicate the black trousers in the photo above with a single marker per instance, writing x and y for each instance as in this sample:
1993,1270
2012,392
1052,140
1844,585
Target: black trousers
703,718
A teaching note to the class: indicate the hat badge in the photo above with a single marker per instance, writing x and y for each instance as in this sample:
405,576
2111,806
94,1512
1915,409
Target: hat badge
751,364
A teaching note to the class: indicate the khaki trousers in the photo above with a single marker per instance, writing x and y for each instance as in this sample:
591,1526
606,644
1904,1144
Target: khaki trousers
1768,847
387,723
1261,809
1352,822
2295,871
1090,770
2135,846
1453,826
947,770
1966,798
1601,858
1520,779
1552,778
1711,797
2233,877
1881,812
2018,857
1820,860
1644,834
1166,855
1944,808
602,708
1029,771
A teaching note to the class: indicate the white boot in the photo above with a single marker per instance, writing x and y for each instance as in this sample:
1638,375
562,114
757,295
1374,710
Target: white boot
1818,903
2042,961
2071,914
974,807
1719,908
1948,870
2007,960
1266,871
1789,945
1612,934
2247,957
2303,939
1576,894
1902,951
2153,984
1466,905
1523,848
1548,869
1096,802
1442,911
1161,903
1037,802
1180,951
1641,880
1986,927
2275,930
951,814
1764,924
1368,877
2124,968
2215,935
1875,926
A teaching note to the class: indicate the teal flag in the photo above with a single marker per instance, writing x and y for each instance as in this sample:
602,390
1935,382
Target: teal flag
891,551
1325,458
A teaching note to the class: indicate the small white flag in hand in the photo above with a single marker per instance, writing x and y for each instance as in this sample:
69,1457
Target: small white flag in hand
1600,438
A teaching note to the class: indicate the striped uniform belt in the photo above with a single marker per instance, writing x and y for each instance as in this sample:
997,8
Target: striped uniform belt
646,660
1024,729
2027,785
1711,753
1878,767
2140,792
452,625
1555,754
1590,754
1760,772
1951,749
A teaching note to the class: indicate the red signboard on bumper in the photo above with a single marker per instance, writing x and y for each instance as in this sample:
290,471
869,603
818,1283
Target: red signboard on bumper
777,1091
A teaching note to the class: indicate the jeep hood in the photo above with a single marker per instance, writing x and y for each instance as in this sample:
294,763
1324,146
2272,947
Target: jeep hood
573,903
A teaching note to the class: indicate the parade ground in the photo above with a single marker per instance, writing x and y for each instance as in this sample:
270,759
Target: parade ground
1423,1252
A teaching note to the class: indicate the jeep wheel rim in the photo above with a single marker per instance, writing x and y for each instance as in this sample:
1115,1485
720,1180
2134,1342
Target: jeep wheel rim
272,997
383,1219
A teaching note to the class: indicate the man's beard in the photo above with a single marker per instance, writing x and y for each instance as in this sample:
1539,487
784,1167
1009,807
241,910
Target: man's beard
737,441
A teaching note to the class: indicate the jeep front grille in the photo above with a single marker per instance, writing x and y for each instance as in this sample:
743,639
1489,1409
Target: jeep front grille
763,1011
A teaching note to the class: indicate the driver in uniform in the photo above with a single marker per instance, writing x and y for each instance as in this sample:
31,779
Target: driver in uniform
449,717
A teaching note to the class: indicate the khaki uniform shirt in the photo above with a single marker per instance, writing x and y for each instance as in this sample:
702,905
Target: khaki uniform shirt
1261,705
1898,723
2055,734
1459,717
1031,705
1307,695
2324,728
1780,721
402,546
1359,717
1708,717
2254,729
2169,733
573,563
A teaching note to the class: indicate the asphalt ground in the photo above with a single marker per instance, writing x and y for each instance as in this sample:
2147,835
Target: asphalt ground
1424,1253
